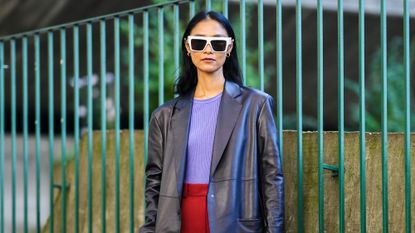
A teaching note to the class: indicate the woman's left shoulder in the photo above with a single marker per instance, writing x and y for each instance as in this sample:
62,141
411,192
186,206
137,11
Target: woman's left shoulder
255,94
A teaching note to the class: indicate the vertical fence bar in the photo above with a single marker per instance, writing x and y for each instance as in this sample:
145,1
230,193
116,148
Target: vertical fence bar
279,77
25,132
131,114
146,81
103,92
161,53
191,9
90,117
37,125
117,120
242,12
320,113
362,113
76,120
299,89
176,40
51,127
225,8
208,5
261,42
2,137
341,111
407,118
63,125
384,120
13,124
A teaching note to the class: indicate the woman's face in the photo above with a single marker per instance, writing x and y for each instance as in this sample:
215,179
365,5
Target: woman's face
208,60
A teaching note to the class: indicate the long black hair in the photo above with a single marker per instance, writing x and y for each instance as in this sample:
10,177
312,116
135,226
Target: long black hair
187,79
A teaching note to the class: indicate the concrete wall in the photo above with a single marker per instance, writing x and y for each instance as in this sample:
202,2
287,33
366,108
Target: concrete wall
310,181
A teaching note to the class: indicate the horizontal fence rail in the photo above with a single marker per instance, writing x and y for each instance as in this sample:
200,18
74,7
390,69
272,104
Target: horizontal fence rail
60,84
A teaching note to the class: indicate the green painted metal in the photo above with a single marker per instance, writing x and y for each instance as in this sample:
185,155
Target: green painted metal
191,9
131,114
161,53
362,116
242,12
76,121
320,114
384,117
103,93
117,120
406,27
37,125
13,124
2,137
340,62
63,126
51,127
299,103
279,77
25,133
225,8
94,19
146,78
208,5
261,43
177,40
90,121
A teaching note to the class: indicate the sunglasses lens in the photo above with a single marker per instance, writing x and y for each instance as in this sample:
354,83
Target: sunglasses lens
218,45
198,44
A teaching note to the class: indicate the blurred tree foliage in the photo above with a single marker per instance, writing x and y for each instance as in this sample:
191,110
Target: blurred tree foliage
395,90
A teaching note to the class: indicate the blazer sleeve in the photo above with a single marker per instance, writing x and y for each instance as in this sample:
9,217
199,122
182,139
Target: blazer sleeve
153,173
271,176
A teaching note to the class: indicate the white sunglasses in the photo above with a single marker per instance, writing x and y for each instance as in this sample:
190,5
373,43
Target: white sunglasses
199,43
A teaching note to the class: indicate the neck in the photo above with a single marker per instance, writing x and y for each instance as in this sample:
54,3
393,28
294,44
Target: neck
209,84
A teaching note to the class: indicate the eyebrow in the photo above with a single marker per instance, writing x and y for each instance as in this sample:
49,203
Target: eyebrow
217,35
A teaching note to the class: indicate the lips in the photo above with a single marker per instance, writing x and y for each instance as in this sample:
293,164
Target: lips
208,59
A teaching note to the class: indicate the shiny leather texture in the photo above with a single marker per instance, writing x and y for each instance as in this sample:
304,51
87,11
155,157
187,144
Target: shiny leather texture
246,184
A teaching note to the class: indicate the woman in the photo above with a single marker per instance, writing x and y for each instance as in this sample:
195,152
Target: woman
213,161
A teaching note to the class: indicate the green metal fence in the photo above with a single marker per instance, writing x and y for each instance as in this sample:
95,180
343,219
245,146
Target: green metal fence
24,51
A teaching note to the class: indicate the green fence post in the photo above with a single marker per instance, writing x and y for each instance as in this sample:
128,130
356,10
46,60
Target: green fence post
279,66
117,120
1,137
90,121
341,111
63,125
299,91
37,125
161,53
25,131
76,120
51,126
320,113
407,117
13,126
384,120
131,114
362,113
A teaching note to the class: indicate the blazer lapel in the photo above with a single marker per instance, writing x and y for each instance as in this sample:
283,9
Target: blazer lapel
229,111
180,129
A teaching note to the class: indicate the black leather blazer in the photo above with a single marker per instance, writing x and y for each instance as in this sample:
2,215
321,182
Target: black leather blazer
246,185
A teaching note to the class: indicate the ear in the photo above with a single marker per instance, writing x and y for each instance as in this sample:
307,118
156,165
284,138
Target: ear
230,47
187,46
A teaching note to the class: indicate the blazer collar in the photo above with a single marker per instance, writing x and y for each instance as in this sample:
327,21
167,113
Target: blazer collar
229,110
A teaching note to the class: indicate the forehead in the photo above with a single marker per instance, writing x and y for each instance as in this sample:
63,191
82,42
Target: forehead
208,27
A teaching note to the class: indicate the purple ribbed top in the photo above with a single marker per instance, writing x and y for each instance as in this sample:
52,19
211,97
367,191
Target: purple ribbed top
201,136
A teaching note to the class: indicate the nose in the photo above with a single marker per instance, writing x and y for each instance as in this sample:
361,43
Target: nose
208,48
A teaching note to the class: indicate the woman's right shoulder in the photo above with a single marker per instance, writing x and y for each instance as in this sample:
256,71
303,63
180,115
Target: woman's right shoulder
164,111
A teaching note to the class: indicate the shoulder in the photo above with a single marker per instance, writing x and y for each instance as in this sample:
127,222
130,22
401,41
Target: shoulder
255,95
164,111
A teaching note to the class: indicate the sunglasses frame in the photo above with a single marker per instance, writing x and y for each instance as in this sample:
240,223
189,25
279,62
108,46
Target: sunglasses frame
208,42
